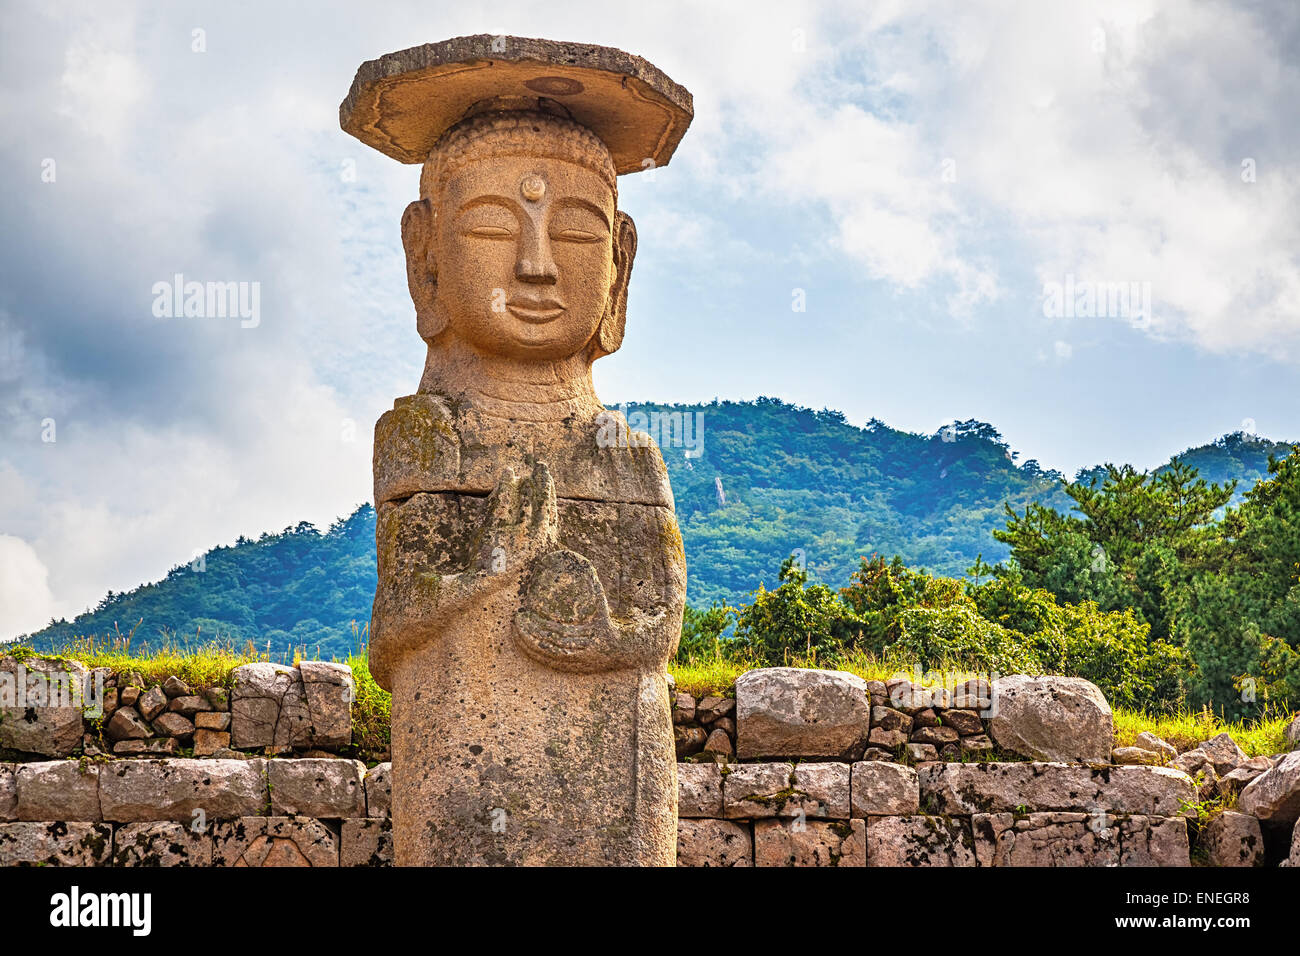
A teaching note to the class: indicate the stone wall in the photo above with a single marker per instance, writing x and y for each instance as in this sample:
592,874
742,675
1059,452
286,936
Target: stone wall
801,768
195,812
62,708
334,812
877,813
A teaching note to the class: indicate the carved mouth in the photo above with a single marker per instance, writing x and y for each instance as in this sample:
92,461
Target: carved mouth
535,311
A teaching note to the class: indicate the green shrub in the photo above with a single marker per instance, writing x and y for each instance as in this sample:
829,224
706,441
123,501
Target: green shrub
958,635
797,619
702,631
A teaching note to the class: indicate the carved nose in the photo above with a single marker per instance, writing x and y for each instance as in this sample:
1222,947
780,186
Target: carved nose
535,263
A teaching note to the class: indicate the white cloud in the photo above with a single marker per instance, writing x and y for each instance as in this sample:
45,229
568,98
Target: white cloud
26,603
1118,165
1123,165
1117,160
103,82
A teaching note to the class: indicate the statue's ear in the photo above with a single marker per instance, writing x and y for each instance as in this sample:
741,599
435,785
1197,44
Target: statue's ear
610,334
422,267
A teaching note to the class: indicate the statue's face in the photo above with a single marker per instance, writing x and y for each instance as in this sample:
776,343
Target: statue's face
524,255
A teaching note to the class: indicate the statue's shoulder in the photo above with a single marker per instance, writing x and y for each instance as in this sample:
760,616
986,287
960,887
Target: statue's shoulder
417,447
609,461
431,443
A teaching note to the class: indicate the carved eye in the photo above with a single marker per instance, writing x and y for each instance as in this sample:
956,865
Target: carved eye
489,232
574,235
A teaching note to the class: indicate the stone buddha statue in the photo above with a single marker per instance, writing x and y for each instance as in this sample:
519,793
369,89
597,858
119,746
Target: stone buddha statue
531,572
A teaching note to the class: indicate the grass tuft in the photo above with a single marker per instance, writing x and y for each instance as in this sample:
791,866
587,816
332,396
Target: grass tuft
1259,737
210,664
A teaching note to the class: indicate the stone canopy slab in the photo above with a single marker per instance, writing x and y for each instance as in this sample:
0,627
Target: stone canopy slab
401,103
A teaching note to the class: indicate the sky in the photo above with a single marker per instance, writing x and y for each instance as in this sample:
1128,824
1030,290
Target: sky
942,186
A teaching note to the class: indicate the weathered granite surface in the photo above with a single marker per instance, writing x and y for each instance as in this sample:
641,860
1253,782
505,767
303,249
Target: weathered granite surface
531,572
797,712
1051,718
999,787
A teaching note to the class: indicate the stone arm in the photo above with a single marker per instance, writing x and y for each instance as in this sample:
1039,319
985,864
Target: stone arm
563,619
414,604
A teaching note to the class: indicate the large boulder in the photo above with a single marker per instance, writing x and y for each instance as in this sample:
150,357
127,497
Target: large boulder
184,791
42,704
798,712
1275,794
272,705
1052,718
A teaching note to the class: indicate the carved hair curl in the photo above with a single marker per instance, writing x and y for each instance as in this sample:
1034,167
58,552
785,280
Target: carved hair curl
514,133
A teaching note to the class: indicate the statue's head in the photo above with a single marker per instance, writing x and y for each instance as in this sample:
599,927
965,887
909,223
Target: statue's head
516,246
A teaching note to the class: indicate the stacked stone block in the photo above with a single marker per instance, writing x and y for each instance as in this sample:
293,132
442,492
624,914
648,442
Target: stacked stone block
195,812
268,708
873,813
802,768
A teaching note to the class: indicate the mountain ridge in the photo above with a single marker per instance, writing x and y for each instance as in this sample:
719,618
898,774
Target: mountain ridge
793,480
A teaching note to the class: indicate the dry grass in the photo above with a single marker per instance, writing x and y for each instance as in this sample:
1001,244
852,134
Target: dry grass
717,675
1258,738
206,665
203,665
1261,737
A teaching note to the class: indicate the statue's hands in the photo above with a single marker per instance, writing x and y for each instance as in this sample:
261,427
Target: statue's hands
564,620
415,600
522,522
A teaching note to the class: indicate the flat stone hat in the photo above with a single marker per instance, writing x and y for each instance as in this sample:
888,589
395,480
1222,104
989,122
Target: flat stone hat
403,102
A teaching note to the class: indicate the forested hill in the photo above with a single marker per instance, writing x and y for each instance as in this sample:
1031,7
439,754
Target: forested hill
754,482
793,478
